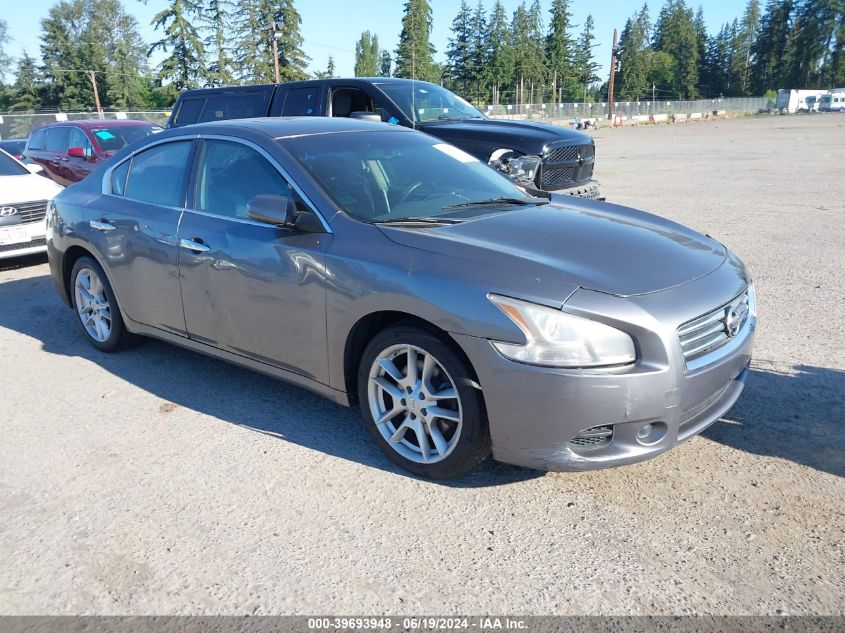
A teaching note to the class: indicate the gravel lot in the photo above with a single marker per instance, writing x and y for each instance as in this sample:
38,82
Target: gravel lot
160,481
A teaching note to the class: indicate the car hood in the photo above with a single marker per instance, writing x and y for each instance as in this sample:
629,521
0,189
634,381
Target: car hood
26,188
523,136
588,244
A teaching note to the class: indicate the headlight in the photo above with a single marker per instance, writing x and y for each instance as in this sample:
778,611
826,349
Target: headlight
752,300
558,339
522,169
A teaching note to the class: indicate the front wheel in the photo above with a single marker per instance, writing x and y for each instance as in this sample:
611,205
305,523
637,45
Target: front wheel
420,403
96,306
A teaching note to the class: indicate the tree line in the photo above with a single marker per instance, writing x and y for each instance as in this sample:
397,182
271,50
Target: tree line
786,44
536,53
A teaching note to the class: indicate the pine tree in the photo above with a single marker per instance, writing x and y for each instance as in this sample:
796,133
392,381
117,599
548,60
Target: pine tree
747,30
700,27
479,51
675,35
459,64
385,63
771,50
814,34
634,57
414,55
586,68
500,56
216,19
185,64
560,53
329,72
5,58
253,32
367,55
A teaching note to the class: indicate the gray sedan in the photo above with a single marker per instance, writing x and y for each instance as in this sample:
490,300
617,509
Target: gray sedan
387,270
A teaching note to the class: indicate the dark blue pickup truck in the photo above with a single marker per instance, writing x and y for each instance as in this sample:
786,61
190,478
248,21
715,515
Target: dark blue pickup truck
537,155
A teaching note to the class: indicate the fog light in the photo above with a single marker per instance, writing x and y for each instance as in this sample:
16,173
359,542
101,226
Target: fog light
645,432
651,433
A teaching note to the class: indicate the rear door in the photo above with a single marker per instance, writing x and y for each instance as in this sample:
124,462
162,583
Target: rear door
134,227
55,154
36,145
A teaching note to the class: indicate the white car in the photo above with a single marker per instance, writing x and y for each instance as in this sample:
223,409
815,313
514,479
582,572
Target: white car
23,206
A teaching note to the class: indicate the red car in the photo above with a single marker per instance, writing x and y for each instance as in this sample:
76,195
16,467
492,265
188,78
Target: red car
70,150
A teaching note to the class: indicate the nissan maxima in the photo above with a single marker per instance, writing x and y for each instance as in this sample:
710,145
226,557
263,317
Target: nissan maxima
389,271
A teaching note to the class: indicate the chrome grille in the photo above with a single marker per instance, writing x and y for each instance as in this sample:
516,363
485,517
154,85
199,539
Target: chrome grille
29,211
563,153
594,437
712,330
565,176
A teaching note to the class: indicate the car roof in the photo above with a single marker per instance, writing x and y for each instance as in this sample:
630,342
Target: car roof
287,127
87,124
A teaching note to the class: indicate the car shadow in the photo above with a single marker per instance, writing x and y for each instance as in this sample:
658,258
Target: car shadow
224,391
795,413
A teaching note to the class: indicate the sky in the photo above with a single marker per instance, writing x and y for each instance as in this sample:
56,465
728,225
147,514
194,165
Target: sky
331,27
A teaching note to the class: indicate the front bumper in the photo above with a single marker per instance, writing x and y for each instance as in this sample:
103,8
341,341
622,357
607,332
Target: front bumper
535,413
34,240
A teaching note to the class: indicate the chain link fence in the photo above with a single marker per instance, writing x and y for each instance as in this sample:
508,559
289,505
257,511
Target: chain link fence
576,111
20,125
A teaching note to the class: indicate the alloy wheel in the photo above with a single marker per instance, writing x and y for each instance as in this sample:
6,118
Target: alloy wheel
415,404
92,305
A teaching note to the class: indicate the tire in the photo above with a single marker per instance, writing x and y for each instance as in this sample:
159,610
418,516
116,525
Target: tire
430,436
96,306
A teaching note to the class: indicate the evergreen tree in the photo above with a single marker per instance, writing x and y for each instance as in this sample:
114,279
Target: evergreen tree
700,43
254,34
479,51
25,90
500,51
586,68
458,61
185,64
771,50
216,19
747,30
367,55
329,72
634,57
414,55
814,34
528,55
675,35
385,63
5,58
561,53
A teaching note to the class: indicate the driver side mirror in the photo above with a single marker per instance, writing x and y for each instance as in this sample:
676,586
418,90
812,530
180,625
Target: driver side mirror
269,209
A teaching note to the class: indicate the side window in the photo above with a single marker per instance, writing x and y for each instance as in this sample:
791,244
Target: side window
57,139
189,111
37,139
229,175
156,175
118,178
234,106
345,101
301,101
79,139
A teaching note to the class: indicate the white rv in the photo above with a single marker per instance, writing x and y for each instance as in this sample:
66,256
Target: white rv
833,101
790,101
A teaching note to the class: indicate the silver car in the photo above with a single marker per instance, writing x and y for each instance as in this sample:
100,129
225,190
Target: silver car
387,270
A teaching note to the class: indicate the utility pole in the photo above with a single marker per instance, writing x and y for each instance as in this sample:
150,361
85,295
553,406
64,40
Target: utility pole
613,52
93,77
276,34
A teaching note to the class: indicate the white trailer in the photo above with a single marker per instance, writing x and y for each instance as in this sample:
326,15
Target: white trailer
833,101
791,101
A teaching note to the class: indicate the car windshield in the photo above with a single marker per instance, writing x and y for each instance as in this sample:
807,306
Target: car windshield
429,102
9,166
395,175
111,139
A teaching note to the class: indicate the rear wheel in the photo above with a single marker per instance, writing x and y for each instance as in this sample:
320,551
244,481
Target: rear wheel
96,306
420,403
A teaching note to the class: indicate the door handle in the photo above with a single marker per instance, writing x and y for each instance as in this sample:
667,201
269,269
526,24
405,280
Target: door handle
101,225
196,245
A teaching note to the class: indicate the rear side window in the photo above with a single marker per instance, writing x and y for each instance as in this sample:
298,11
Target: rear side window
233,106
36,139
156,175
300,101
57,139
189,111
118,178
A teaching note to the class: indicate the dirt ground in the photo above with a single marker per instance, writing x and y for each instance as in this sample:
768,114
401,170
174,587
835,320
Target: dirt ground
158,481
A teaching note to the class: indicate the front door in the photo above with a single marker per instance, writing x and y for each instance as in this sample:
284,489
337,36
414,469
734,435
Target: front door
247,287
134,228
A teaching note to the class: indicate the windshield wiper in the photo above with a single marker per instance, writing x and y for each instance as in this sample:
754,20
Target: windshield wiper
418,220
497,201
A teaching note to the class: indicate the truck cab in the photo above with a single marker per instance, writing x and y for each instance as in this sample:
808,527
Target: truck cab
535,155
